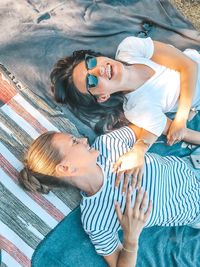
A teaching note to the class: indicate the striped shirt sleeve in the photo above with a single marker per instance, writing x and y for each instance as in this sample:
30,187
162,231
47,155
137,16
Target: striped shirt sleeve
124,134
104,241
114,144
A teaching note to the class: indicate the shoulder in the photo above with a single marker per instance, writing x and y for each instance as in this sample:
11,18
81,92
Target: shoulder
124,135
135,46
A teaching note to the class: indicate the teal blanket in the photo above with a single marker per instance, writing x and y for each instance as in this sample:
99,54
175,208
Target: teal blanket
67,245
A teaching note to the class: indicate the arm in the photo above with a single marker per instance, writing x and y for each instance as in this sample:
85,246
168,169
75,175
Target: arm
132,222
132,162
190,136
122,258
174,59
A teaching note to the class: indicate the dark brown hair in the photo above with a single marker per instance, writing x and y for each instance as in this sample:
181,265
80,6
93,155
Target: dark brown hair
102,117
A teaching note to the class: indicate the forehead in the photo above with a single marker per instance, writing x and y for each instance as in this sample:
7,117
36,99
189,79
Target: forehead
62,141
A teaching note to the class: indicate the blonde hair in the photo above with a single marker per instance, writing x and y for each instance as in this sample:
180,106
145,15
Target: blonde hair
40,163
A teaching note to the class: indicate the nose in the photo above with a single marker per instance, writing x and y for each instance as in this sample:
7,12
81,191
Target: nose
97,71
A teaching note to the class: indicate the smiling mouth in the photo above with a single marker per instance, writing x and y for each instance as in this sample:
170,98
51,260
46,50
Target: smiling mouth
109,71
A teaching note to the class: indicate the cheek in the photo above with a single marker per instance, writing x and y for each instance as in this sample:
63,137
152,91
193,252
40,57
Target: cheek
80,82
103,85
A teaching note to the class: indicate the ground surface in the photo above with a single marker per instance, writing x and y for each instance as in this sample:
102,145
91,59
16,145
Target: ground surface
190,9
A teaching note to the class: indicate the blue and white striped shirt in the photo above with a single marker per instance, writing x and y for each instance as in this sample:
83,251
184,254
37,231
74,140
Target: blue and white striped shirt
172,186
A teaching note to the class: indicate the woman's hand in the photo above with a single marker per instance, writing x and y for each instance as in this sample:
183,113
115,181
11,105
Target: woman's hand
176,132
134,218
131,166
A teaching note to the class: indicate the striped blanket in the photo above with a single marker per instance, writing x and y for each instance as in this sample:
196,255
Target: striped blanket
25,218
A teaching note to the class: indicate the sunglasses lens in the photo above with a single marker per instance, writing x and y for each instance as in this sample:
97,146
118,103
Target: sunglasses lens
91,62
92,81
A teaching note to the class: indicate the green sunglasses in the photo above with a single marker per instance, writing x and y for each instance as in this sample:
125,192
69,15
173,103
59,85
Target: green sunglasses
91,80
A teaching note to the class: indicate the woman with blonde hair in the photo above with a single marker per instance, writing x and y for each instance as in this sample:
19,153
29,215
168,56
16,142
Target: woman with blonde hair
169,195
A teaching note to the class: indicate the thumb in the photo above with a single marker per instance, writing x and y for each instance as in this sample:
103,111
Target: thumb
116,165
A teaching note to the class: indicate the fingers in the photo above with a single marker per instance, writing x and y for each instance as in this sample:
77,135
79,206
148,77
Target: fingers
117,165
134,181
135,177
139,178
175,136
173,141
143,202
126,181
170,139
128,199
139,207
119,178
148,211
118,211
138,199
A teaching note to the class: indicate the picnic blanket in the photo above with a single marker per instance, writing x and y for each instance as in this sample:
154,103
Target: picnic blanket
25,218
158,247
34,34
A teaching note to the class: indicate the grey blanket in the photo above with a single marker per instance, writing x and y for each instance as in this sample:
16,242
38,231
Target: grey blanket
35,33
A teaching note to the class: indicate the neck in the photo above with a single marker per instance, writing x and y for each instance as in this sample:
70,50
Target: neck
92,182
130,76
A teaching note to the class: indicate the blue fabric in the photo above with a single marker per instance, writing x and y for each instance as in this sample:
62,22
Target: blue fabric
68,245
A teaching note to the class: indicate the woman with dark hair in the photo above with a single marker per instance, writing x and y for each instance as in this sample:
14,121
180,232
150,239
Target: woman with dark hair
173,185
102,116
147,80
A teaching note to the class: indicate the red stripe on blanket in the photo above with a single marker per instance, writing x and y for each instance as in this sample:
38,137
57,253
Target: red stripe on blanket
14,252
7,90
38,198
26,116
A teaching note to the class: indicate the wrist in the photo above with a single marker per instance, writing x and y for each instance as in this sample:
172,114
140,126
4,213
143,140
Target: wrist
182,115
142,144
181,121
130,243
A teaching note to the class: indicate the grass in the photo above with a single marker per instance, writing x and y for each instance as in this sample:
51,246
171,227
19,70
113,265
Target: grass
190,9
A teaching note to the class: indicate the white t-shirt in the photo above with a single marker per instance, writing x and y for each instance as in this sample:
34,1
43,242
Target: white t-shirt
146,107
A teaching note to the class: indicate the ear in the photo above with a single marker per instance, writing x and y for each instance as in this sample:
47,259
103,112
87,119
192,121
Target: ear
65,169
103,98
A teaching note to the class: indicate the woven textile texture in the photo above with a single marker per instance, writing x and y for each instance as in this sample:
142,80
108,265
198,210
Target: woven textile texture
25,218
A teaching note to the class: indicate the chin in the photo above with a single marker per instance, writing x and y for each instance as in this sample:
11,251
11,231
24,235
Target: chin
96,152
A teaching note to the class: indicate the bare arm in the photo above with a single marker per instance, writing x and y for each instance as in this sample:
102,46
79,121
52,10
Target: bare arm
122,258
173,58
190,136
